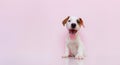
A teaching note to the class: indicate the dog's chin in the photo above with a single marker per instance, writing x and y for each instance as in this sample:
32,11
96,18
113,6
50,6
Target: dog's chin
72,31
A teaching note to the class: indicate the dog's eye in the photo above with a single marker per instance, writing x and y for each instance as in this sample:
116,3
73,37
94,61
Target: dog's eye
78,21
69,20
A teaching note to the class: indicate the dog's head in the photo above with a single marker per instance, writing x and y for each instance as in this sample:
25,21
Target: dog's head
73,24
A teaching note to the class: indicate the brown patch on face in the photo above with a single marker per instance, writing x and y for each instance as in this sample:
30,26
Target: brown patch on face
65,20
80,22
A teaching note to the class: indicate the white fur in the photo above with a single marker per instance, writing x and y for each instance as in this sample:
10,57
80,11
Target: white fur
75,46
73,20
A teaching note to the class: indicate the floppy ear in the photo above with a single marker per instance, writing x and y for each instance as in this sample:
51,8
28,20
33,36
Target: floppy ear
65,20
81,22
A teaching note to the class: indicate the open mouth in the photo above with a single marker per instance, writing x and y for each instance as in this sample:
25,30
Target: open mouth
72,31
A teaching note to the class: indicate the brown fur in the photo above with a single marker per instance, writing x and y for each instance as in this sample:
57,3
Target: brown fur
65,20
81,22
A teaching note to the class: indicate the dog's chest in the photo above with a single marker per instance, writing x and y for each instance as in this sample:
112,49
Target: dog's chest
73,45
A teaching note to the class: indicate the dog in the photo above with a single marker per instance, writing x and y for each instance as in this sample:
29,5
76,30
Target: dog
74,46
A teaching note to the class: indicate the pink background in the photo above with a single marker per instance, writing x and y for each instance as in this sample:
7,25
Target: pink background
31,31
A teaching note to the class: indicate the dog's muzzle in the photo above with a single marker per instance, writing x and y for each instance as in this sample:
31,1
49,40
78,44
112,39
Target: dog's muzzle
73,25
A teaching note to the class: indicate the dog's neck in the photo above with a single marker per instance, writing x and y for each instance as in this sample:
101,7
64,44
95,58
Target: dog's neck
73,36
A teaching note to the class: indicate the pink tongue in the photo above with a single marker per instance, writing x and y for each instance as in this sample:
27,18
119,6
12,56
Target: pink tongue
72,36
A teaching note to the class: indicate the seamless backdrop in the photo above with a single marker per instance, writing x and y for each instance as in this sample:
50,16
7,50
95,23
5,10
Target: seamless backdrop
31,31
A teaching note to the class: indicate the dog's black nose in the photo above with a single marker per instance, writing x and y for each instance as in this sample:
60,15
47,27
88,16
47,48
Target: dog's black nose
73,25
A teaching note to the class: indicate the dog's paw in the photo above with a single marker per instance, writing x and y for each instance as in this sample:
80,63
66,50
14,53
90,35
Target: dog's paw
79,57
64,56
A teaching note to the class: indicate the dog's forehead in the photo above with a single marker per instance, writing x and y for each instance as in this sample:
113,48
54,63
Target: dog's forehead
73,18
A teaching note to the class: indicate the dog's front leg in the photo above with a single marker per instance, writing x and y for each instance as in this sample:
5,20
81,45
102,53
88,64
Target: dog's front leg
80,51
66,54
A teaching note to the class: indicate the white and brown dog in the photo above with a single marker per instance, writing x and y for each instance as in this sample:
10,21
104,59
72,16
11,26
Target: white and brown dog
74,46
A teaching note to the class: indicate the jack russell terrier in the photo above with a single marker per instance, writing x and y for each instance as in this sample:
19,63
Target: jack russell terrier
73,46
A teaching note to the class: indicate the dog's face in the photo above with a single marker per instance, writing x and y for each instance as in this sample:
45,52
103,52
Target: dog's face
73,24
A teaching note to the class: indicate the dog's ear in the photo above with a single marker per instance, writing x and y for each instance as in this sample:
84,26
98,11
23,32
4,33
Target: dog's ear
65,20
81,22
